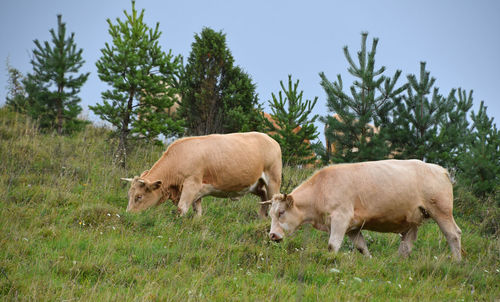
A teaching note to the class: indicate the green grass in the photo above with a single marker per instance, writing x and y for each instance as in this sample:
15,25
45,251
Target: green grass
64,235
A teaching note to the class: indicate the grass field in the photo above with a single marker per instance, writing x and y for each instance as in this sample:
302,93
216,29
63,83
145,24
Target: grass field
65,235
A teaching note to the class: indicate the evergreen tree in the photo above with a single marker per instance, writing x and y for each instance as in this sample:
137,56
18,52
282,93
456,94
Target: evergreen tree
143,82
53,86
292,127
480,164
454,130
16,94
418,118
372,99
217,97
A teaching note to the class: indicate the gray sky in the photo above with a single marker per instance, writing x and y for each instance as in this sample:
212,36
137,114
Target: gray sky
459,40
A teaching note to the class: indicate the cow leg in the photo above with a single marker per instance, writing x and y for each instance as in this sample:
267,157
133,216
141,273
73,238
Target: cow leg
338,227
197,207
261,191
359,242
407,240
452,233
271,188
190,193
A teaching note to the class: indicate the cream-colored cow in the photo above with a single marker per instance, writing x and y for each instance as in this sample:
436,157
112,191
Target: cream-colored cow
221,165
384,196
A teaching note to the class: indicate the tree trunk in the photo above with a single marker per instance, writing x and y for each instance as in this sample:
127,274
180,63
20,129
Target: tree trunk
59,110
121,152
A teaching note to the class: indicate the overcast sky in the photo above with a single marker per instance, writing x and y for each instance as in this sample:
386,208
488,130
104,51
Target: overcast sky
459,39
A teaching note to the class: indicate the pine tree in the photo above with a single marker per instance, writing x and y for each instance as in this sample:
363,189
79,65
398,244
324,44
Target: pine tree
480,164
453,131
293,128
16,93
143,82
217,97
418,118
53,87
372,99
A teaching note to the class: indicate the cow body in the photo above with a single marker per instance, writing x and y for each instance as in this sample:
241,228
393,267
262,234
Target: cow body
221,165
384,196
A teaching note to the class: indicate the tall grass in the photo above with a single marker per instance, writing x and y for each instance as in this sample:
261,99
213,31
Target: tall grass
64,235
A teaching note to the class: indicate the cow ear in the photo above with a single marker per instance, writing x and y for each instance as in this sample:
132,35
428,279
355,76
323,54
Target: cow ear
289,201
155,185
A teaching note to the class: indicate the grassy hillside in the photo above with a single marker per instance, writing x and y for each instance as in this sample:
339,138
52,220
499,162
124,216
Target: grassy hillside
64,235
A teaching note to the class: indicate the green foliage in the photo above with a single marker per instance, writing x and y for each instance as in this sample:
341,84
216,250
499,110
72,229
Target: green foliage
480,165
418,119
65,235
52,87
454,131
16,94
217,96
373,96
143,82
294,129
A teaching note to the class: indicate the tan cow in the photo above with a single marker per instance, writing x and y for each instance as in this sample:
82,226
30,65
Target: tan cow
384,196
221,165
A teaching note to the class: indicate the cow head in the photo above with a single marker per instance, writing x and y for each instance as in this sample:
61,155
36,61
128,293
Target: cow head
143,194
284,216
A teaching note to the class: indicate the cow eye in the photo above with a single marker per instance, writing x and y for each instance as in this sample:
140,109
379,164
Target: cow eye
281,212
138,198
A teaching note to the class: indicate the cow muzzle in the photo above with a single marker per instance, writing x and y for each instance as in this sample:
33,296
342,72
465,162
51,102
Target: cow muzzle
275,237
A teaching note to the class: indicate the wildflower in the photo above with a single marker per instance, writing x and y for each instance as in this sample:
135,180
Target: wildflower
29,185
100,233
109,214
486,271
358,279
399,285
114,228
334,270
410,278
435,257
262,258
25,239
389,282
74,262
159,236
117,215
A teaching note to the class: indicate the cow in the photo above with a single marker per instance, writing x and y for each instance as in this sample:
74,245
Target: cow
220,165
384,196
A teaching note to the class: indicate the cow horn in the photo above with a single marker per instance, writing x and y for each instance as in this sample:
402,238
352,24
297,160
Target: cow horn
127,179
266,202
141,181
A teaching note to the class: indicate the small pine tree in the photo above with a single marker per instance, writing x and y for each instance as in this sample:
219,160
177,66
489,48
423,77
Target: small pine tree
418,118
52,87
453,131
16,93
217,97
480,164
142,78
294,130
372,99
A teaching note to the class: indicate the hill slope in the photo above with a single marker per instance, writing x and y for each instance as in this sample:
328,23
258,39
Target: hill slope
64,234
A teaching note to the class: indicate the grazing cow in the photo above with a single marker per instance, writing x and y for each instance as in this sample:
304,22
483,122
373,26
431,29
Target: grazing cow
221,165
384,196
